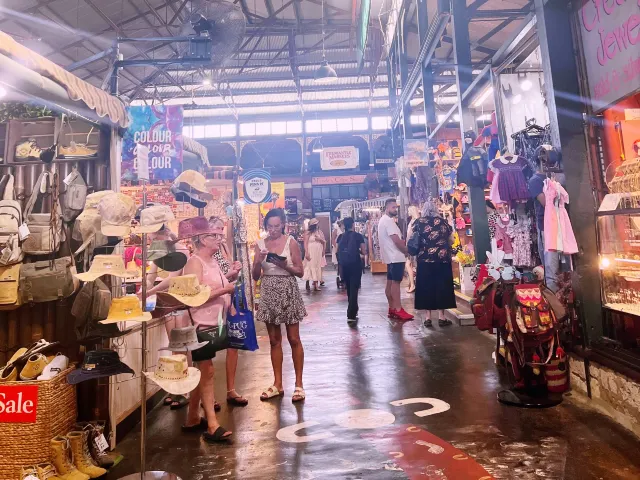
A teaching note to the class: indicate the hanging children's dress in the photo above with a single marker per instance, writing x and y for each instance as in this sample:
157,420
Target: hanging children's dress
558,233
512,185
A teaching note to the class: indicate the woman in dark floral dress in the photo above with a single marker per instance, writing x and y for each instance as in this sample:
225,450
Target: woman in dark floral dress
434,276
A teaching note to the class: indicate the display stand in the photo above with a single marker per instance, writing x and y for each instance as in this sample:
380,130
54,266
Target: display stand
144,474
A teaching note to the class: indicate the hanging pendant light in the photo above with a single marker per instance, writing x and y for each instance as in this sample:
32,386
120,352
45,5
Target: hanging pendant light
325,72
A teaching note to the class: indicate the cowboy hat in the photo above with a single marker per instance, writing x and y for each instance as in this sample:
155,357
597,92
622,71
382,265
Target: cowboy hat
174,375
187,290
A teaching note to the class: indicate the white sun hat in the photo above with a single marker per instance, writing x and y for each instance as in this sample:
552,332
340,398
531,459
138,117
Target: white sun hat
174,375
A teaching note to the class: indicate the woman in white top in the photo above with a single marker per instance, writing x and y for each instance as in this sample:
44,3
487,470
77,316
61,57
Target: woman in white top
280,299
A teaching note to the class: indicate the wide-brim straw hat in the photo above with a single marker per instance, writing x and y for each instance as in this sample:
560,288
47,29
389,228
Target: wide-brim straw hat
187,290
176,366
126,309
106,265
153,218
183,340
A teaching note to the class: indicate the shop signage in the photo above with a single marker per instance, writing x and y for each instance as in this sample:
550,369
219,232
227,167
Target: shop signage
159,128
277,199
291,205
632,113
416,153
610,31
257,186
18,404
338,158
338,180
384,160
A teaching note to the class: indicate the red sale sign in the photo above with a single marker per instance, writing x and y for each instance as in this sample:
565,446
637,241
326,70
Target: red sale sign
18,404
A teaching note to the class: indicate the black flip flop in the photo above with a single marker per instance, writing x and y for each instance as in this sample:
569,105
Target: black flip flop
217,437
198,427
235,401
181,401
168,401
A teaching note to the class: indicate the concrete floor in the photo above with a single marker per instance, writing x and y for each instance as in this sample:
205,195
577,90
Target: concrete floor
353,424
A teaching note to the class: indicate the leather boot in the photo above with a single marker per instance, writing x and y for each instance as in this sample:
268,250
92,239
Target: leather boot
47,471
61,452
81,456
95,429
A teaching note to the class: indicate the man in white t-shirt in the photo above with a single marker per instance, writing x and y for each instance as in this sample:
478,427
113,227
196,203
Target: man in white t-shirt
393,252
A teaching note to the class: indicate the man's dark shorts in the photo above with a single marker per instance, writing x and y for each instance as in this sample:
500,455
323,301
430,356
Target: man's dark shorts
395,271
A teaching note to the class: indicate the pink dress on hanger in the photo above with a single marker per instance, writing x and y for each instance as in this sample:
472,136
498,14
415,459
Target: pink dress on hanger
558,233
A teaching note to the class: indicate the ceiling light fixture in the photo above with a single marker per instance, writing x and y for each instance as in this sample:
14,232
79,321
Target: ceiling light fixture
317,146
517,98
525,83
3,92
206,81
325,72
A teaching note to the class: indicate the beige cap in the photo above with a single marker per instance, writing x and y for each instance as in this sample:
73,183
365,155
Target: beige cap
117,211
152,218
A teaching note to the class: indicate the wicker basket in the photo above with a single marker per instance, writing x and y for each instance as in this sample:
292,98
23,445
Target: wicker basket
29,443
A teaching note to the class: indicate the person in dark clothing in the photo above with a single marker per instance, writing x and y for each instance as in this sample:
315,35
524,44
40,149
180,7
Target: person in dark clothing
351,251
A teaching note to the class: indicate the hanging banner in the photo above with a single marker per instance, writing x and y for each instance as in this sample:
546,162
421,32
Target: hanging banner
159,128
277,199
416,153
610,34
338,158
257,186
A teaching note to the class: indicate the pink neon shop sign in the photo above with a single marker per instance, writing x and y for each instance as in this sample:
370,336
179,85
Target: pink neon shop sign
610,31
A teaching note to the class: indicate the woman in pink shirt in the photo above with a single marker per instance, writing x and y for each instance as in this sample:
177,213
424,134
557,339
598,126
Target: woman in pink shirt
206,238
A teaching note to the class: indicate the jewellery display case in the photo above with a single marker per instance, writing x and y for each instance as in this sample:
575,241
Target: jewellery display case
619,249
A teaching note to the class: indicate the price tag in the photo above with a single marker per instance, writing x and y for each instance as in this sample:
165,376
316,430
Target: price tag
23,232
101,443
5,255
70,178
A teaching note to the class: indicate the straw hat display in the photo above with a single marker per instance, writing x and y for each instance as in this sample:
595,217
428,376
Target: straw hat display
187,291
174,375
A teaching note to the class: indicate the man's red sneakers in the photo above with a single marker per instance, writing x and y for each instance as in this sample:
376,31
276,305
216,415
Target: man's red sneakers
402,315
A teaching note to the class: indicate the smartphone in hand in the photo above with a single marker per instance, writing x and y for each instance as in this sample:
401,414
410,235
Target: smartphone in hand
272,257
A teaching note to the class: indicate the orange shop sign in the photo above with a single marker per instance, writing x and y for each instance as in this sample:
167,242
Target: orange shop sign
338,180
18,404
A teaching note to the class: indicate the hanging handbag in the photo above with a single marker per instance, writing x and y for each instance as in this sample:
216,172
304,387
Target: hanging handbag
9,298
216,337
46,281
241,329
45,229
10,221
75,196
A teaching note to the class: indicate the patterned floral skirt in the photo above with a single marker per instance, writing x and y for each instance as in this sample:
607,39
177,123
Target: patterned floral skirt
280,301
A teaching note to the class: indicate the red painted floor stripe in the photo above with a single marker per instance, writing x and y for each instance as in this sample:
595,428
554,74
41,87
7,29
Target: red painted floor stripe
423,456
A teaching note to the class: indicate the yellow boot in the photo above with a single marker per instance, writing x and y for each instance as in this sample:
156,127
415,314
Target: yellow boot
61,452
81,455
47,471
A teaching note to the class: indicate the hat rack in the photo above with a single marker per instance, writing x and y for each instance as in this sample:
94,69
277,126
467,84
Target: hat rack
144,474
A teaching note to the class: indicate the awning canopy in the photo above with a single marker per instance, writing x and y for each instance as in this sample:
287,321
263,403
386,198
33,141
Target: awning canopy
101,102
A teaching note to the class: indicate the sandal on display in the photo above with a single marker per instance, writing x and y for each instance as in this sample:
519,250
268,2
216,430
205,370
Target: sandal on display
198,427
220,435
298,395
270,393
236,400
179,401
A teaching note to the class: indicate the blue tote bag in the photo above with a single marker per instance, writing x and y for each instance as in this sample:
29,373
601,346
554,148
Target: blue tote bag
241,330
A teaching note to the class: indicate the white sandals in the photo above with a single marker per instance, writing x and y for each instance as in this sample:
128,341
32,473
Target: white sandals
270,393
298,395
